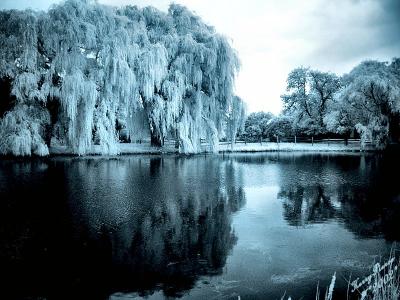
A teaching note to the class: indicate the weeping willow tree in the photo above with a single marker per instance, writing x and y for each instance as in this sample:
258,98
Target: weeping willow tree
370,101
82,72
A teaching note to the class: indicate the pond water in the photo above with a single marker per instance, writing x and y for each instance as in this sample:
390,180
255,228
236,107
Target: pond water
216,227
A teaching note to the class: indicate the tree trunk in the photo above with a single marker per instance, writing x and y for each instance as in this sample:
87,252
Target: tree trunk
156,140
48,134
394,128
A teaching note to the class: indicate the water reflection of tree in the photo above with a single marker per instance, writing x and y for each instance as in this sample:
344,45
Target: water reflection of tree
128,224
173,227
372,211
306,204
366,211
361,191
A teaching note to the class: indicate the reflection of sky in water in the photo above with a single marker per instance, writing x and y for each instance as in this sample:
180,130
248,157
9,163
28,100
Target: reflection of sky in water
270,252
204,226
271,257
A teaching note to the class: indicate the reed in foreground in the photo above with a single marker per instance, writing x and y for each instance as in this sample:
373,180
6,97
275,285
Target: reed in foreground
382,284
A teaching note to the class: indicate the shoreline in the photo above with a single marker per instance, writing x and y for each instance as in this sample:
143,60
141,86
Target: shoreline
294,147
146,149
224,148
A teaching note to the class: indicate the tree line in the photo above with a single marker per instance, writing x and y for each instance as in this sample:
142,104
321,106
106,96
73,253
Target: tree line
364,103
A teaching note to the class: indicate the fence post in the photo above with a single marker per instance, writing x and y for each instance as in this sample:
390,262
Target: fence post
312,140
295,139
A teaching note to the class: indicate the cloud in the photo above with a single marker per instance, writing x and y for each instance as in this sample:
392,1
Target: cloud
351,31
24,4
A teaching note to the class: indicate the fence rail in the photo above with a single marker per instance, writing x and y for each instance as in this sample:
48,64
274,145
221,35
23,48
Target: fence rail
299,140
295,140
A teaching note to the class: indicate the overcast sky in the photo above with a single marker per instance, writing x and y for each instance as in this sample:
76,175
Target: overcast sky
273,37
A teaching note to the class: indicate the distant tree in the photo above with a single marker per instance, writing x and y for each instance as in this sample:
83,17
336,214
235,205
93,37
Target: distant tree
310,94
371,100
339,120
394,67
256,126
236,118
323,87
279,127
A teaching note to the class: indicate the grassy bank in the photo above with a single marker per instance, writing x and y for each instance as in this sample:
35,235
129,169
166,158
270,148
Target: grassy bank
146,148
290,147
